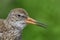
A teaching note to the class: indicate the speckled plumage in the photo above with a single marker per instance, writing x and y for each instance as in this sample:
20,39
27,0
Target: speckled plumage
8,29
11,27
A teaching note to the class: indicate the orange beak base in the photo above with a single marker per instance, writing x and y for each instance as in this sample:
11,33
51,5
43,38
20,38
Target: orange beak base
32,21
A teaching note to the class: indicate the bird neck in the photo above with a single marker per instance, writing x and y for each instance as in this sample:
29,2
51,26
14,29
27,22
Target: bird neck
19,25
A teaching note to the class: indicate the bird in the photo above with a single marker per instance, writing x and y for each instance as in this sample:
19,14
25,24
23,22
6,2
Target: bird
11,28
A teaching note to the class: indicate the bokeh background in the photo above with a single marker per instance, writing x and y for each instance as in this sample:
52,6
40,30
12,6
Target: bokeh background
46,11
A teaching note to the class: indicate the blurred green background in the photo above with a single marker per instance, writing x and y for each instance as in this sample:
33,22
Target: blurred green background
46,11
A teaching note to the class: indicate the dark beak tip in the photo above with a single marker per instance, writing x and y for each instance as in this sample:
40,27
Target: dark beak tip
41,25
44,26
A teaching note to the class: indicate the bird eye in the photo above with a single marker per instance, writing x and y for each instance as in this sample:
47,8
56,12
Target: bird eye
19,15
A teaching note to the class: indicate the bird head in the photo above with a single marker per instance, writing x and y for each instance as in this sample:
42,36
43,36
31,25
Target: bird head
18,18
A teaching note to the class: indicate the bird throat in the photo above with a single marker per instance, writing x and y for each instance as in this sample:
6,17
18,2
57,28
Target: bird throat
18,24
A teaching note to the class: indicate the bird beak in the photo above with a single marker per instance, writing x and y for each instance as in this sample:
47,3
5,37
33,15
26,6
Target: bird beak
32,21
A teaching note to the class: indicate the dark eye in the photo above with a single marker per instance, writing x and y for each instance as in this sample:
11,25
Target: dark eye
19,15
